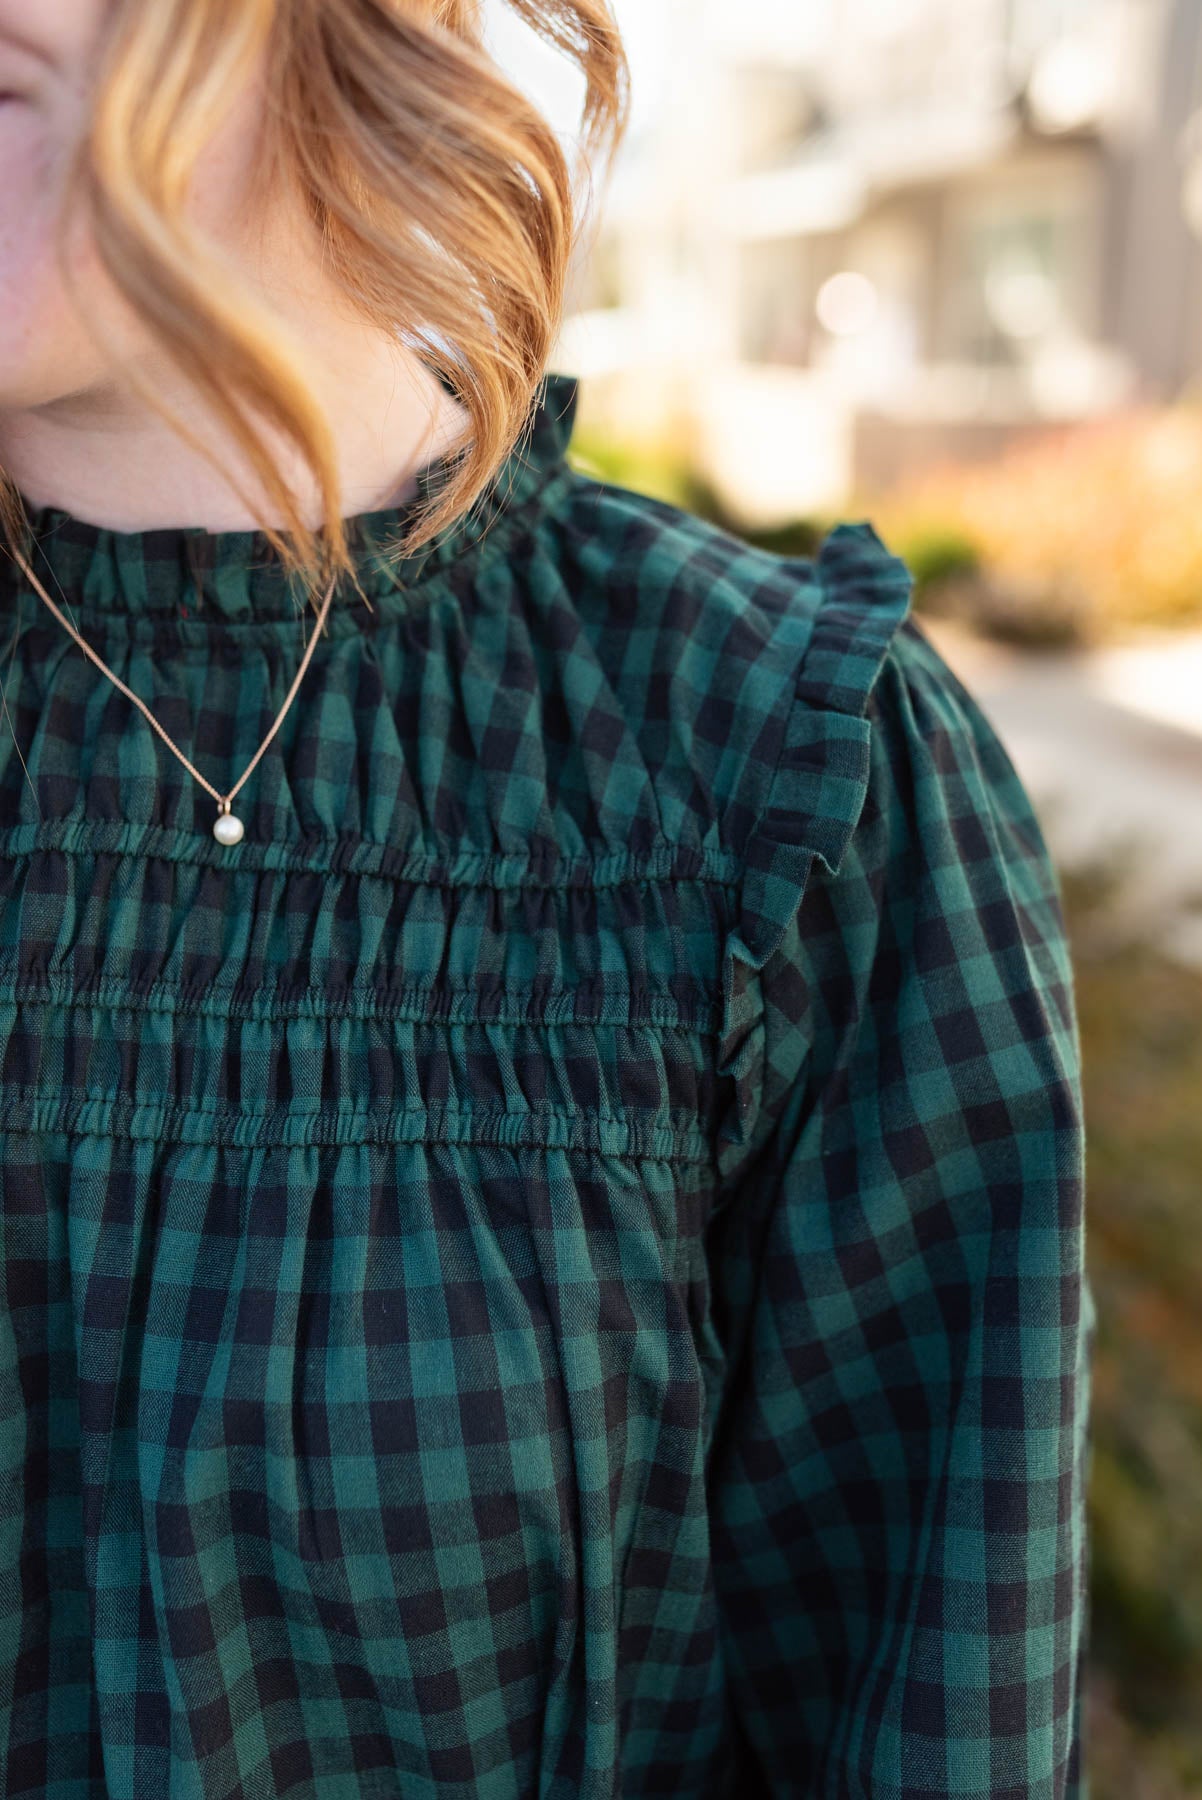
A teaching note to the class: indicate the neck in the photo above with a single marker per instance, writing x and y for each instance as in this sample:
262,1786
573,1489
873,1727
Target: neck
100,453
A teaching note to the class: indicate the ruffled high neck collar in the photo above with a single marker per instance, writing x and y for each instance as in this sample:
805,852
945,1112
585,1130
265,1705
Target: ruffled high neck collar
191,577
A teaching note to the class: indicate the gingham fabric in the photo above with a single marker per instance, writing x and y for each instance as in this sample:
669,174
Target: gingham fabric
553,1270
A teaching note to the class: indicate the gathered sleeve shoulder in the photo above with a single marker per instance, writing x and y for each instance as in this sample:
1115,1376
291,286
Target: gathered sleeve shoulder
896,1250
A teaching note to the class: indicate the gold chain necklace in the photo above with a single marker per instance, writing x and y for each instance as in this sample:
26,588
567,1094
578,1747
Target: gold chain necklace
227,827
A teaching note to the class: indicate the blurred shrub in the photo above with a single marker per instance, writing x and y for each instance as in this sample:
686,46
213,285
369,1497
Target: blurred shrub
660,467
1087,533
793,537
665,469
1141,1048
938,555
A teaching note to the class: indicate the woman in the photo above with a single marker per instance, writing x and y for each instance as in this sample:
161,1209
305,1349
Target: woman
541,1129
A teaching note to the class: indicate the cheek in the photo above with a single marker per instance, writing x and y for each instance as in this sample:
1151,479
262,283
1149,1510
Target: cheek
32,164
39,333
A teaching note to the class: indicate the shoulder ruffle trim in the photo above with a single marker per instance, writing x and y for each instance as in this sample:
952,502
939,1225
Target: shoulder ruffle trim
817,791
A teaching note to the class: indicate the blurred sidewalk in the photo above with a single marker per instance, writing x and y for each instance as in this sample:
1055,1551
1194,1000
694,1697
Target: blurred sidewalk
1109,745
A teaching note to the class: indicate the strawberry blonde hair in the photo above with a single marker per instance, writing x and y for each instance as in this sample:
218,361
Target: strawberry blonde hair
441,193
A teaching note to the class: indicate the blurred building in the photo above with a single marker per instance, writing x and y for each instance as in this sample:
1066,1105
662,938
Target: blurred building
854,236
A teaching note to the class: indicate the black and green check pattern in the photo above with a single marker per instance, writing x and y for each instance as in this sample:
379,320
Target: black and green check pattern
554,1269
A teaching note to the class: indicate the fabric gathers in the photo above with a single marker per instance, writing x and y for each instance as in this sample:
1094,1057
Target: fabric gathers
554,1269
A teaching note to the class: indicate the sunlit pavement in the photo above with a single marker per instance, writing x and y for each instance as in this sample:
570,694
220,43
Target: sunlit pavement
1109,745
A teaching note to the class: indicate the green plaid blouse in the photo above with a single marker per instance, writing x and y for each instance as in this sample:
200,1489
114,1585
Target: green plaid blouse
552,1270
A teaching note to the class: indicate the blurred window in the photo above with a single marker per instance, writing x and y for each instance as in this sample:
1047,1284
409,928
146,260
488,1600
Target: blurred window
1016,272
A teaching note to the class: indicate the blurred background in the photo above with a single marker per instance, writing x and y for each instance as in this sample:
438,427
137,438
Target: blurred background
938,264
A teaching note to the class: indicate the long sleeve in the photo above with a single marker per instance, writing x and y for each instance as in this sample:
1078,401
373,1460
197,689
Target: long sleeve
899,1462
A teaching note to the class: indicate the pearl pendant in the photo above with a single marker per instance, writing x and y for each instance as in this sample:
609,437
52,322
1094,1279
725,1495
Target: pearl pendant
227,828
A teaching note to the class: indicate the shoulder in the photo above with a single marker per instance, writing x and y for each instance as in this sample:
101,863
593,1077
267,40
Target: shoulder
787,712
744,675
657,567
